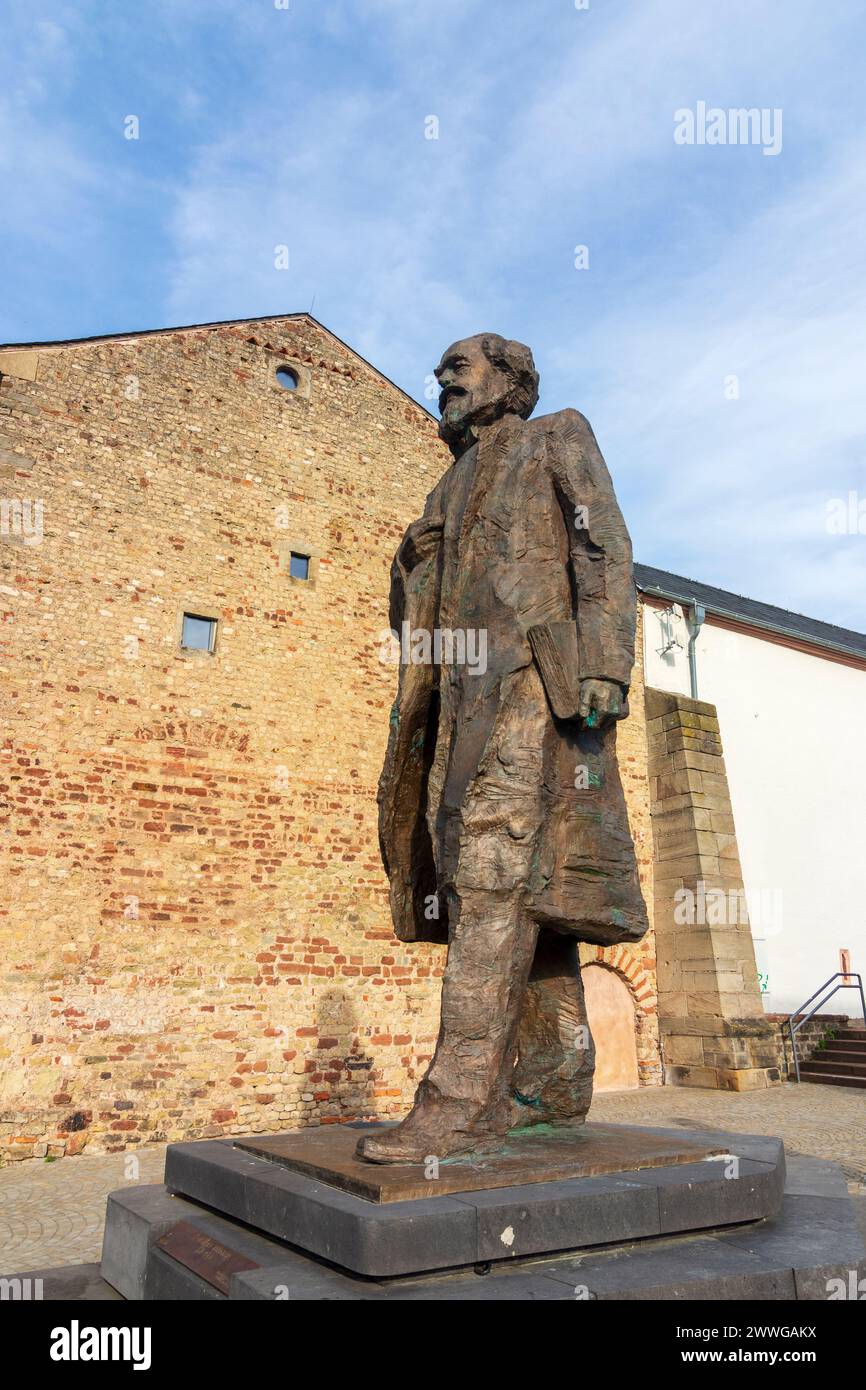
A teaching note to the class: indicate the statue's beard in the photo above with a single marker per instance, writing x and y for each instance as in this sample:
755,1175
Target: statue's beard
459,428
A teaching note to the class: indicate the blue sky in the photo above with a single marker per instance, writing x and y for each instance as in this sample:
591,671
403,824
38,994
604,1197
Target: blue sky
305,126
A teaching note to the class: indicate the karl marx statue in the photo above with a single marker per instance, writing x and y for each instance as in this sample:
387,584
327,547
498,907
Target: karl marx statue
500,799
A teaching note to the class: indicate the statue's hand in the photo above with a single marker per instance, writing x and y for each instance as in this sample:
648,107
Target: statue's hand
600,701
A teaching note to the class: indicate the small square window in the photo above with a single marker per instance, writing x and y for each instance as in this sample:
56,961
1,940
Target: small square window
299,566
199,634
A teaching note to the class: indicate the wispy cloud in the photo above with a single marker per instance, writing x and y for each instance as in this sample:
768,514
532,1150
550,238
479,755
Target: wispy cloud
305,127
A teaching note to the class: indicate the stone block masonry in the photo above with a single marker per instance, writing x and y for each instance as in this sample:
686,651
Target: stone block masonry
714,1031
194,928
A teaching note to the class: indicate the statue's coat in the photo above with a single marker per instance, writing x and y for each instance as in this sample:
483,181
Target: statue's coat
501,548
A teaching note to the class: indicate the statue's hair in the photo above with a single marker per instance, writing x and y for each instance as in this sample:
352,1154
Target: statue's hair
515,359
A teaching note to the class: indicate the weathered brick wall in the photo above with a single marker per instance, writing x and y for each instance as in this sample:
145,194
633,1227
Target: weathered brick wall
194,925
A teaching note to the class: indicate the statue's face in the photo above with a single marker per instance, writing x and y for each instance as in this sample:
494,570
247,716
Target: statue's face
473,390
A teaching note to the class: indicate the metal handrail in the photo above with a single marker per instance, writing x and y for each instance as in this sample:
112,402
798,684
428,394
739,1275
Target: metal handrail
847,977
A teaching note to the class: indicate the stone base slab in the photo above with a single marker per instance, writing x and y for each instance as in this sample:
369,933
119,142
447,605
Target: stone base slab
386,1240
809,1250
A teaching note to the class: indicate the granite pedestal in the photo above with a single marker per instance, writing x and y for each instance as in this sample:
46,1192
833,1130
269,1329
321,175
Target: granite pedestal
230,1223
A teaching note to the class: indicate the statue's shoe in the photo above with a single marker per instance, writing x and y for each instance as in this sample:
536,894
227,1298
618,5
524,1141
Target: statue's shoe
431,1130
392,1147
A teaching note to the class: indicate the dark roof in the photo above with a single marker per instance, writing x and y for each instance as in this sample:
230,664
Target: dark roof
748,610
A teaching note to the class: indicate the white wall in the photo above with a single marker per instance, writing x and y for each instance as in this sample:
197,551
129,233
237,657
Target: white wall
794,737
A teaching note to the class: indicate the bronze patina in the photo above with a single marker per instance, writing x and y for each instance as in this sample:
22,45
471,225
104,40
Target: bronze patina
547,1154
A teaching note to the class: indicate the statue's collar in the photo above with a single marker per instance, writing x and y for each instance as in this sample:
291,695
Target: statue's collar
487,436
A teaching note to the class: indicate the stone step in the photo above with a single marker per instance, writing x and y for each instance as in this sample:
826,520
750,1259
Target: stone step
834,1066
828,1079
852,1054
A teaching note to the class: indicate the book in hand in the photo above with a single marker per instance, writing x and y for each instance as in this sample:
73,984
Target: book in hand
554,646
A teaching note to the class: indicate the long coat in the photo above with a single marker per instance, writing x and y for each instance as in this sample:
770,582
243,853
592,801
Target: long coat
522,530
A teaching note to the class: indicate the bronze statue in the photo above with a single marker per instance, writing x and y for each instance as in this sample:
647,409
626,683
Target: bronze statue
502,821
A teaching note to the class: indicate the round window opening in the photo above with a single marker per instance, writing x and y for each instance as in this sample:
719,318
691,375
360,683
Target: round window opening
287,378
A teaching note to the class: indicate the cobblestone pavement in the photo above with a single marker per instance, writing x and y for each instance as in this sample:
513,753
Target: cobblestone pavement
52,1213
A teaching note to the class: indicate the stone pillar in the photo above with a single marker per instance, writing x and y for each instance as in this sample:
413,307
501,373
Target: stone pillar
713,1028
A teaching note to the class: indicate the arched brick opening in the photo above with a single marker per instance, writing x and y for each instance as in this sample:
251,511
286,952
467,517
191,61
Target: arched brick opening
636,972
610,1006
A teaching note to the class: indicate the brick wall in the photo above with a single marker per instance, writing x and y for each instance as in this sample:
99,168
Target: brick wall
194,926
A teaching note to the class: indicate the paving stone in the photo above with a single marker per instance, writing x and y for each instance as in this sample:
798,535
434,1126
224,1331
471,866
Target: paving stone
52,1214
814,1177
821,1121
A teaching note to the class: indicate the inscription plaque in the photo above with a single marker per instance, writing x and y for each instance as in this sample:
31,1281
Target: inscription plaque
206,1257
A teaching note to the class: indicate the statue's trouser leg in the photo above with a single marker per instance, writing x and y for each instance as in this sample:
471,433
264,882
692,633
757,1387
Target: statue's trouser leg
489,959
466,1096
491,836
552,1081
491,841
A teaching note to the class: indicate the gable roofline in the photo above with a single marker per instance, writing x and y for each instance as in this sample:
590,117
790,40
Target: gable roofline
777,622
653,582
217,323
